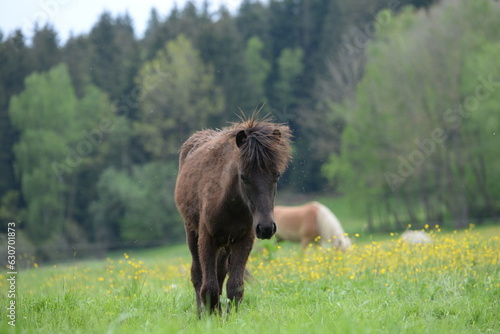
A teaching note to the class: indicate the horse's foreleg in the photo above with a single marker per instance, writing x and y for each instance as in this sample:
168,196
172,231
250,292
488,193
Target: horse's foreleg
209,291
196,273
240,251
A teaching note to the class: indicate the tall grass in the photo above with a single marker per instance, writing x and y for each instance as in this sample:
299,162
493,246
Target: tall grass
448,286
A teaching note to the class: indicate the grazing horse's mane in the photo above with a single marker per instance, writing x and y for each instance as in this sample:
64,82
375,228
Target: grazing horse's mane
266,145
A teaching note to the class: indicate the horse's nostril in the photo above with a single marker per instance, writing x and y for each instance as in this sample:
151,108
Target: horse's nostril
258,230
274,228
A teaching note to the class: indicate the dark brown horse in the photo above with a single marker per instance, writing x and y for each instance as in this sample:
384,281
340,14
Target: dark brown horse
225,192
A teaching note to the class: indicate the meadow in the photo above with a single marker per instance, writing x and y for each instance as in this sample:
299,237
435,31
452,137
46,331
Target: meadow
448,286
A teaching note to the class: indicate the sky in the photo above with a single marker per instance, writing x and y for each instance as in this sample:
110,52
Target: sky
78,16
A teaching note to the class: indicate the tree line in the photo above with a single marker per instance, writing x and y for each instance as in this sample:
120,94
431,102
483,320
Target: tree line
90,130
421,143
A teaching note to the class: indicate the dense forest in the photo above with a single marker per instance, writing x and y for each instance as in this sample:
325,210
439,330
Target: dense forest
394,104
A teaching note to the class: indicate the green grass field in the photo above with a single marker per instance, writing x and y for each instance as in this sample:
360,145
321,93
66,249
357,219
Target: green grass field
448,286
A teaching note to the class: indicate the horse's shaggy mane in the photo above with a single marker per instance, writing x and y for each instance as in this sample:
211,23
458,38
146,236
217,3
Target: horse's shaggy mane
266,146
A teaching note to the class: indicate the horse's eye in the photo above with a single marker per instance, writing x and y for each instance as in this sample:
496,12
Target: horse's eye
277,178
244,178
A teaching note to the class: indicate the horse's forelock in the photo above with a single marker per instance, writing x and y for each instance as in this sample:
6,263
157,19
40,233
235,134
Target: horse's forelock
267,146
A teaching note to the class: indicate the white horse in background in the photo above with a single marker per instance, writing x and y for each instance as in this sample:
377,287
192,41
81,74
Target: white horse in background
307,222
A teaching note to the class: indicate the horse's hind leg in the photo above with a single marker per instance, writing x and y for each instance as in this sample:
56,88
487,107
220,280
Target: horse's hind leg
196,273
222,266
222,263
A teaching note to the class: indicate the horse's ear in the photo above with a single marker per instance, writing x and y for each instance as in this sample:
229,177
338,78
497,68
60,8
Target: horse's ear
277,132
241,138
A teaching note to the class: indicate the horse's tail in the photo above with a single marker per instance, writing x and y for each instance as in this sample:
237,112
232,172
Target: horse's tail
330,229
249,277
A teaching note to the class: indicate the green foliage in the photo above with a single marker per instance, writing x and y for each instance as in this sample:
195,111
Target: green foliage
221,45
14,66
45,52
258,67
481,85
62,139
138,205
194,68
421,134
44,113
114,55
77,56
180,98
253,20
290,68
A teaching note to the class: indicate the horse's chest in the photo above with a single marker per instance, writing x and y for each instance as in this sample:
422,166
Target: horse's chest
228,228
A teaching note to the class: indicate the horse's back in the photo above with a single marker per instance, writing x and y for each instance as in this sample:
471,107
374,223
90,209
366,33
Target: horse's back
306,222
297,223
194,142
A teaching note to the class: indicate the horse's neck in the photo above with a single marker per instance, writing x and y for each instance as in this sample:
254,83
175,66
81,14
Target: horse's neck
227,179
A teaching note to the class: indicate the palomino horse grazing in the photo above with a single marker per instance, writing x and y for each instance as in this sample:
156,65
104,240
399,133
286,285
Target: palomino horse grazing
225,192
306,222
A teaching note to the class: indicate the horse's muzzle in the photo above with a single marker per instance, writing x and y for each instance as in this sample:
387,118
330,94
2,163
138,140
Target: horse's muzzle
265,231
